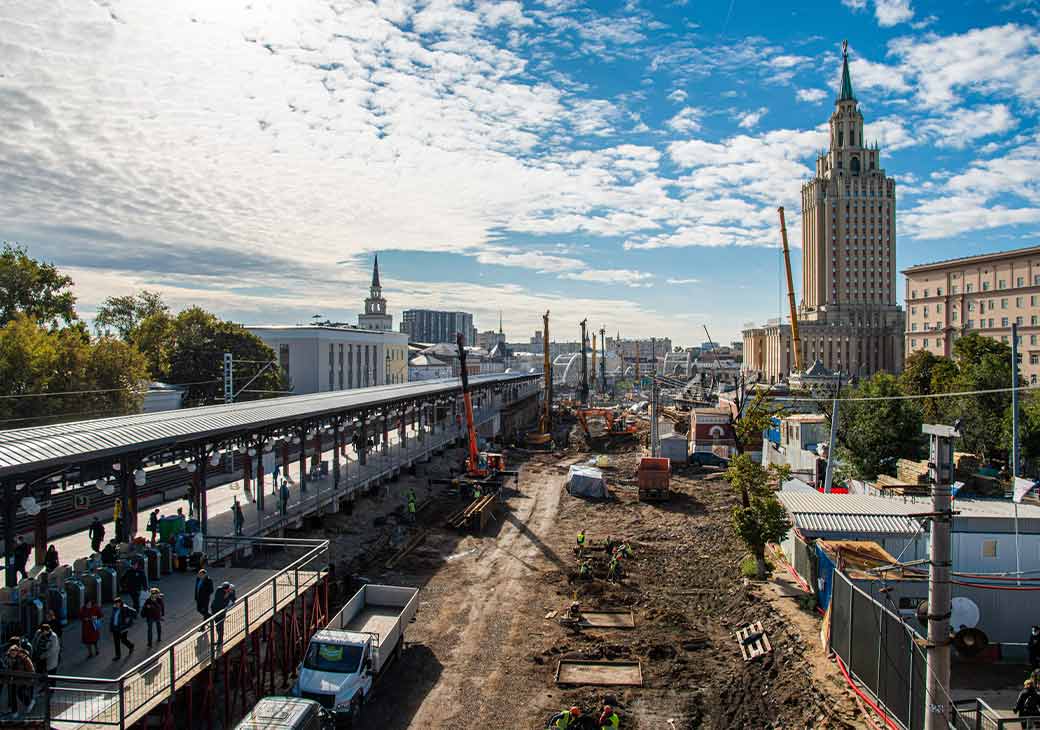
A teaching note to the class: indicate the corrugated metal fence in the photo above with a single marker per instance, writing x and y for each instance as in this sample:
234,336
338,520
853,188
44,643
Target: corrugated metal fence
878,650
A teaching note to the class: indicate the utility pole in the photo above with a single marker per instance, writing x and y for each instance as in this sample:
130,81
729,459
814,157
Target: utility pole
229,378
828,479
547,366
653,355
654,428
592,375
638,384
1014,440
583,389
937,678
603,359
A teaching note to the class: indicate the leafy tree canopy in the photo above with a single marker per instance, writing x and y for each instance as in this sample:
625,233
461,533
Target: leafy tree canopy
873,434
33,288
761,522
124,315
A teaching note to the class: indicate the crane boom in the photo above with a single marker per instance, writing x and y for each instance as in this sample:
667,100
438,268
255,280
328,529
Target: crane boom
473,464
790,294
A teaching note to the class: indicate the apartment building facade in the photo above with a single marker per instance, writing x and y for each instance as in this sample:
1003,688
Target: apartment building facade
985,294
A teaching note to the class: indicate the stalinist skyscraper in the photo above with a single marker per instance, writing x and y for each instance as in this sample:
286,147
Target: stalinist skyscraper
848,317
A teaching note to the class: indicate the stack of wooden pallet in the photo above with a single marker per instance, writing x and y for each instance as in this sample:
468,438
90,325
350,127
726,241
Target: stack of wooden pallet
911,472
893,485
475,512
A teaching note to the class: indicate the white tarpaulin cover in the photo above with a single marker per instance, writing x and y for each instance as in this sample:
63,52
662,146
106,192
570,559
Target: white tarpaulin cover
586,481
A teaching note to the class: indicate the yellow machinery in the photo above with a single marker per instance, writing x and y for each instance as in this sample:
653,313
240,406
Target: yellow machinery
797,342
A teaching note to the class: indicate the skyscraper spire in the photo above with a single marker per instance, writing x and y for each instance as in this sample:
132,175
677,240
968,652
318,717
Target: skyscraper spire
846,80
375,274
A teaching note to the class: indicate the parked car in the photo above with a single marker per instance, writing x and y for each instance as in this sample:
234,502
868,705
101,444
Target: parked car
708,458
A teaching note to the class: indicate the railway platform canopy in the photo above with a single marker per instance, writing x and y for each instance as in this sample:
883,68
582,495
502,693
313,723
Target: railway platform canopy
118,456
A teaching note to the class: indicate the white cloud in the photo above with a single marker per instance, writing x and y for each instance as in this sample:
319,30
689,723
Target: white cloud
786,61
965,125
750,120
892,12
678,96
867,75
855,4
687,120
683,281
626,277
891,133
995,60
812,96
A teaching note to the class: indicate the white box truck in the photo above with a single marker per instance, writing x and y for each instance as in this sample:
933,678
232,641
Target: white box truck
345,659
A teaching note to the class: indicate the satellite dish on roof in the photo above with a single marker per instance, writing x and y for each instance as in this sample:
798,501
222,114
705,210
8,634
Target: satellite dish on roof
965,614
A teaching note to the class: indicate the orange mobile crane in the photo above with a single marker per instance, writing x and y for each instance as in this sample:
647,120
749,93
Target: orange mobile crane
485,471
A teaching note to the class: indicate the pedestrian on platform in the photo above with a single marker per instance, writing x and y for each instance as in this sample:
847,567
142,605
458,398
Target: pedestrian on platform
50,560
285,497
153,523
91,620
97,535
117,519
110,554
119,624
1034,647
153,611
46,650
238,516
203,592
1028,703
136,582
223,600
17,659
21,557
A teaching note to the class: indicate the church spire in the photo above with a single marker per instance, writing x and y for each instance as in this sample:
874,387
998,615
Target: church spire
375,274
846,80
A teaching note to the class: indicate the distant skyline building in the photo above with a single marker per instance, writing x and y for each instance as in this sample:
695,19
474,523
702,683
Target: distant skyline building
435,326
376,317
848,317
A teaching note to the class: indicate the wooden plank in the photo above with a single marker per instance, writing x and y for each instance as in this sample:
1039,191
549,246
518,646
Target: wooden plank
753,641
608,619
600,674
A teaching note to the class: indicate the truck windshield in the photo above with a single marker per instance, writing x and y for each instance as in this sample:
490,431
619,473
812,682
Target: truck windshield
340,658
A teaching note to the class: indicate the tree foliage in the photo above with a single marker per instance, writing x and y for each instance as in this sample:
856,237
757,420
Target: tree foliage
753,418
62,372
759,523
124,314
33,288
873,434
188,349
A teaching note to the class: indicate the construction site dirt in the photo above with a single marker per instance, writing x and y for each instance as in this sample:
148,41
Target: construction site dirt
486,644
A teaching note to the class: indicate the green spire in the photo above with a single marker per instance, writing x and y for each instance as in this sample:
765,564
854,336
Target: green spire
846,80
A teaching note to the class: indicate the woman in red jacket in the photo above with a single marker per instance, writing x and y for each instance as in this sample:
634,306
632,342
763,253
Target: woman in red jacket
91,619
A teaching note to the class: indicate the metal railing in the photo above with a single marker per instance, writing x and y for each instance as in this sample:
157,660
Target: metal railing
976,714
120,702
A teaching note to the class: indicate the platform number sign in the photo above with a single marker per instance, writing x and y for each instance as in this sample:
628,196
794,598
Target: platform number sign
81,501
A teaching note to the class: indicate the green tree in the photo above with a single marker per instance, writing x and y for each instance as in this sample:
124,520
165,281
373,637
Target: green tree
759,523
751,479
1028,428
753,419
925,373
126,313
191,350
35,289
982,364
873,434
153,336
61,373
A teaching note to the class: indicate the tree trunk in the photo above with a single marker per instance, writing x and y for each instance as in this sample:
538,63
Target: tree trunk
761,572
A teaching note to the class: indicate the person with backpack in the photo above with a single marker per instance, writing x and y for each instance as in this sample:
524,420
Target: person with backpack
239,516
96,534
153,611
17,659
50,560
46,650
1028,703
153,523
136,582
22,551
119,624
223,599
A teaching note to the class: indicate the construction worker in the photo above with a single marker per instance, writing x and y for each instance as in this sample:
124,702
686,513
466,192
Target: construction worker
585,569
411,506
565,719
608,720
614,568
581,542
477,494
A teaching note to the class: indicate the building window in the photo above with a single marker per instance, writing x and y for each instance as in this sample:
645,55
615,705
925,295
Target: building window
913,328
1032,378
1032,339
1003,303
1033,320
913,344
924,343
938,308
985,286
1004,339
1036,279
989,322
1019,301
341,366
989,548
938,292
926,311
926,293
953,289
971,306
1001,284
1020,281
913,310
1034,358
969,288
1018,321
1003,321
971,323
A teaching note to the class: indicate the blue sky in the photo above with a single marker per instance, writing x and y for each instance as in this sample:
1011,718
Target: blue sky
620,161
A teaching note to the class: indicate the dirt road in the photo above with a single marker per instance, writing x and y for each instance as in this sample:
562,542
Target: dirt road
482,652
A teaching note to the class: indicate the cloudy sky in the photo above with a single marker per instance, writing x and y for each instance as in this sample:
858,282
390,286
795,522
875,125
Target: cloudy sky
616,160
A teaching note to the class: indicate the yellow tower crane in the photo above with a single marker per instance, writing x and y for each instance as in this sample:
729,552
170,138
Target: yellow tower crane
797,342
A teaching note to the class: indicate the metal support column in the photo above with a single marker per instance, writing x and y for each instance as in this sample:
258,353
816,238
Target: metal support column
303,459
940,468
10,575
202,464
335,454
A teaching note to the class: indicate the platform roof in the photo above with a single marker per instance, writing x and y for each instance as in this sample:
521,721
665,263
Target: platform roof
31,450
